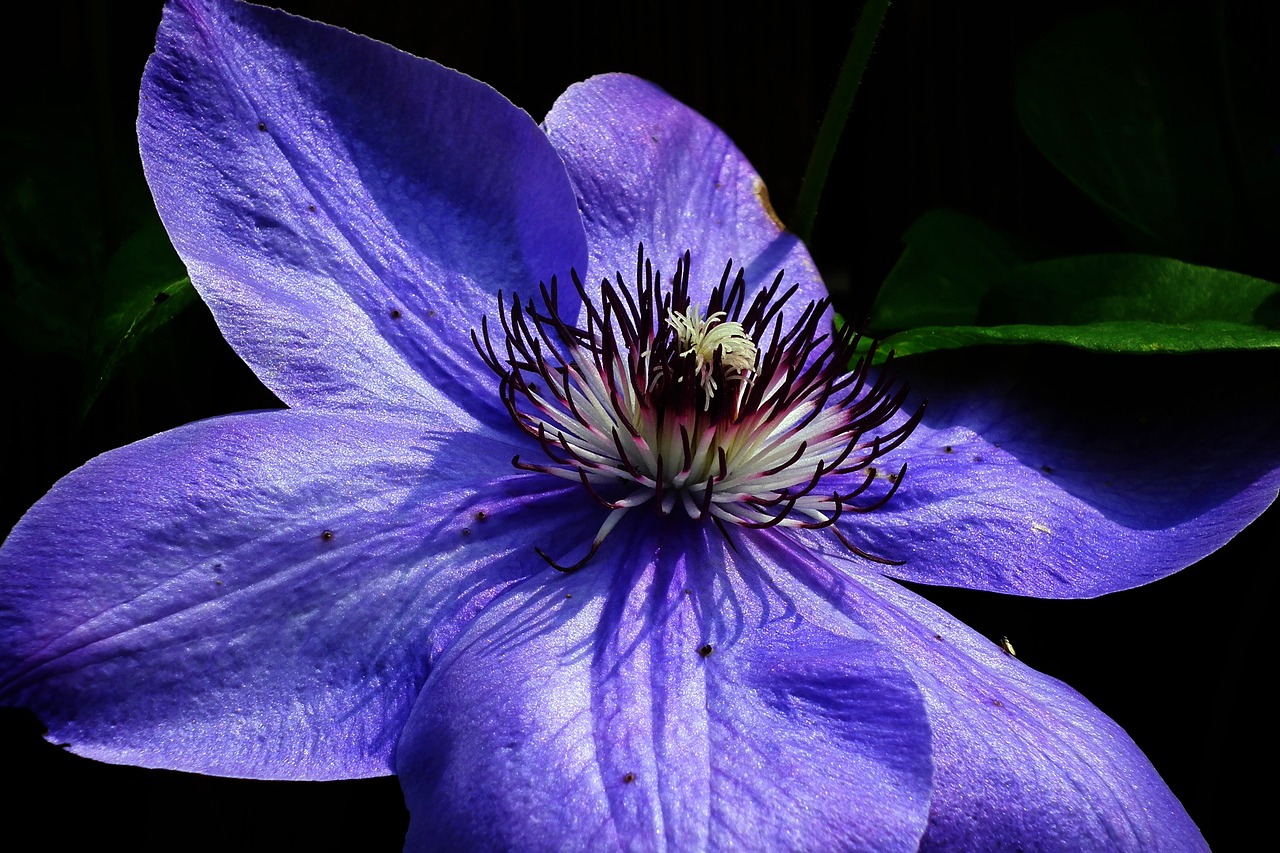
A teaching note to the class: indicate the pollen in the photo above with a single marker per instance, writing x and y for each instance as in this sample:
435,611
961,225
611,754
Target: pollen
755,414
716,344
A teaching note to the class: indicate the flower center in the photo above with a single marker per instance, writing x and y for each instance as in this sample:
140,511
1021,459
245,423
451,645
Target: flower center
711,339
732,416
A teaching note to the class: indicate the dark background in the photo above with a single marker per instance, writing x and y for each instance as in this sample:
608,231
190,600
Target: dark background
1182,664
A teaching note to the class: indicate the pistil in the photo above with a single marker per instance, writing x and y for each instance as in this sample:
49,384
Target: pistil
731,416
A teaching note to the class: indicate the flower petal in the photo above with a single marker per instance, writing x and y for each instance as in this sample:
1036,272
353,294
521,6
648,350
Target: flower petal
1023,762
648,169
258,595
348,211
1023,481
670,695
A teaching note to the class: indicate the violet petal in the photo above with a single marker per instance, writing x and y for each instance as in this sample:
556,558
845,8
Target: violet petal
672,694
648,169
1021,480
348,211
1023,762
259,595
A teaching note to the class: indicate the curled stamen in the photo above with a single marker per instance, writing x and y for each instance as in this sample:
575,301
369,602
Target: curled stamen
734,414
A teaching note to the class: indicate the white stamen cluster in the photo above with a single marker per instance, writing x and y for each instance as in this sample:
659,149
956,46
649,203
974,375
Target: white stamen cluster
637,406
711,338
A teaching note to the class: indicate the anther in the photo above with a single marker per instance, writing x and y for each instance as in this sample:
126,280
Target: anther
730,414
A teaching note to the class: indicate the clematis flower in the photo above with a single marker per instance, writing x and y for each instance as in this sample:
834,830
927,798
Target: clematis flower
577,519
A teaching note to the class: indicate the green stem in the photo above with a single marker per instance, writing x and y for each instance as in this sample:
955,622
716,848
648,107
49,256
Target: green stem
824,147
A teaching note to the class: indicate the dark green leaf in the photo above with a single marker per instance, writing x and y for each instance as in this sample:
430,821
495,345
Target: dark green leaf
146,286
1115,303
1125,104
76,287
1117,337
52,249
949,263
1124,288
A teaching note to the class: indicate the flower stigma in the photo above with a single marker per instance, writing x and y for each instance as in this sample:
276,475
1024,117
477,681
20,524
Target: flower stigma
732,416
705,339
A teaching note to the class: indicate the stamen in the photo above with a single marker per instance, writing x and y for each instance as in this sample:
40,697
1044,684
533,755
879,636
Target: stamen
731,415
717,346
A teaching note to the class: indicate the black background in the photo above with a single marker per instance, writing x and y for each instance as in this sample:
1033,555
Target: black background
1183,665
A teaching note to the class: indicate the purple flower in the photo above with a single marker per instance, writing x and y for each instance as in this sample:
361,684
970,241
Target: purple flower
667,623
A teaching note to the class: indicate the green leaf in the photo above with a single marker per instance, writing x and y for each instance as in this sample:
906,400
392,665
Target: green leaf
1153,115
1118,337
949,263
1115,303
74,289
1119,102
146,287
1123,288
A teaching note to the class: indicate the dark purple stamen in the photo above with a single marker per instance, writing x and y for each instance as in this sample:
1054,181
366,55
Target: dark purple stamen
731,414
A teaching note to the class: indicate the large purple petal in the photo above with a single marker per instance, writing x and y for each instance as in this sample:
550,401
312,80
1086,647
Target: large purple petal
670,695
1023,762
259,595
348,211
1025,482
648,169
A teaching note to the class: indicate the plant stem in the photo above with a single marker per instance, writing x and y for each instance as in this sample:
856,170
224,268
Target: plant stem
824,147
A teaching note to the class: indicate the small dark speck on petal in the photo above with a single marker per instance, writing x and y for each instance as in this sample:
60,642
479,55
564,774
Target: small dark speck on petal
431,312
706,651
629,778
568,595
1046,469
466,531
997,703
948,449
395,313
161,297
481,515
327,536
262,126
217,567
938,637
977,459
311,208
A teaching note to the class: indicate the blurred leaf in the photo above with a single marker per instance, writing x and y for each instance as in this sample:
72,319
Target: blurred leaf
1125,287
1253,133
1115,303
1162,123
71,289
52,248
949,263
146,287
